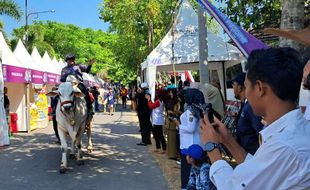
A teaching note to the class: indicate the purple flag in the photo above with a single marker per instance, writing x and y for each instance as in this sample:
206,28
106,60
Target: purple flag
244,41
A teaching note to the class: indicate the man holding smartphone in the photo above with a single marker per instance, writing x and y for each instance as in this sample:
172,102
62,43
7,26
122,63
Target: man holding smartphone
283,159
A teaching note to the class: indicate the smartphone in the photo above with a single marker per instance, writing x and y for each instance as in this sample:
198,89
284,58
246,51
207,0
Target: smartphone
210,116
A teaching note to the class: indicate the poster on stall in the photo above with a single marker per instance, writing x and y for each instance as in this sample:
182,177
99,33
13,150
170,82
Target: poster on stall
33,116
39,111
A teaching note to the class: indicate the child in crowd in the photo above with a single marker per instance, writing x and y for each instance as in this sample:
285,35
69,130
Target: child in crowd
110,97
158,120
199,176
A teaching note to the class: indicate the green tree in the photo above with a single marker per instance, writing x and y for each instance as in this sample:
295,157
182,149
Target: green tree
60,39
256,14
140,30
10,8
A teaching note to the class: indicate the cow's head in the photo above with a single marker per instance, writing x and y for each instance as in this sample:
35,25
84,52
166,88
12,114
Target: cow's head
67,94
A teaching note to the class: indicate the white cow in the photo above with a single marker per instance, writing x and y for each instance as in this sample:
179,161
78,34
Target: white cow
71,116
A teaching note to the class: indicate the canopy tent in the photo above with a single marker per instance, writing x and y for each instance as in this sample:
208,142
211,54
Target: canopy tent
23,56
56,66
62,64
52,77
99,81
13,70
36,57
183,37
89,80
15,76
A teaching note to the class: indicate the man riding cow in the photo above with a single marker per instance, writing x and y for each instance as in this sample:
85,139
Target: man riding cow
76,70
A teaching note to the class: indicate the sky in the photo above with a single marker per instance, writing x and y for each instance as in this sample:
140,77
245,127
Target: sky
83,13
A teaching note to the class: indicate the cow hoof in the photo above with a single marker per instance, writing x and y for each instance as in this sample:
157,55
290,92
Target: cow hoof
62,170
80,162
72,156
89,149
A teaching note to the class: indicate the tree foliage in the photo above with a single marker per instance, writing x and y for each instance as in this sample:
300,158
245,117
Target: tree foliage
60,39
10,8
256,14
140,26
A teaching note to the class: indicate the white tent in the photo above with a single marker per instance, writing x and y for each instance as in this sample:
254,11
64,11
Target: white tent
185,43
23,56
89,80
50,70
47,62
36,57
99,81
55,66
62,64
15,76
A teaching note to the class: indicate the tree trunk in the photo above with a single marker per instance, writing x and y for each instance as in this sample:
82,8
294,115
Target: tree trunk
292,18
150,35
203,48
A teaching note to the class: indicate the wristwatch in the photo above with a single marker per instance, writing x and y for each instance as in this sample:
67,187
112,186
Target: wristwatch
211,146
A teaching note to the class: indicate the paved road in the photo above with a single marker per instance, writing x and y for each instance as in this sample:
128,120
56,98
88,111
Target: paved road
32,160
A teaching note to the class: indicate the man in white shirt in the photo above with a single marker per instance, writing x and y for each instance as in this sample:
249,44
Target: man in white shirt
283,160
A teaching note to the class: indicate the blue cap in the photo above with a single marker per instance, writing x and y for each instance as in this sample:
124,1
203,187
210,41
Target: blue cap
195,151
240,78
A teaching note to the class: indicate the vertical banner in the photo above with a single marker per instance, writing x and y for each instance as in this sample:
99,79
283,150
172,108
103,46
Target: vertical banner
4,130
244,41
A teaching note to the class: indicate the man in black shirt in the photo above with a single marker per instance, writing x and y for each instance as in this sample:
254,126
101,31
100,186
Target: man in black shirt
144,115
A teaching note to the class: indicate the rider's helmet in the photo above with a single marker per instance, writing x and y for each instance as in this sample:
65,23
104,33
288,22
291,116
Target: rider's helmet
69,56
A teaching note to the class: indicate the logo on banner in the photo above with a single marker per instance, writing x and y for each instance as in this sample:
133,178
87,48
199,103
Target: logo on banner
28,75
4,73
45,77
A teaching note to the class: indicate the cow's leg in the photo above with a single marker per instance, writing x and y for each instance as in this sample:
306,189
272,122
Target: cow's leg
89,143
72,134
78,141
64,148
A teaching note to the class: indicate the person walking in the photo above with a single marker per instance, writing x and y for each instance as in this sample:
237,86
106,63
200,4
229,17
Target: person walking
110,97
124,93
96,94
54,102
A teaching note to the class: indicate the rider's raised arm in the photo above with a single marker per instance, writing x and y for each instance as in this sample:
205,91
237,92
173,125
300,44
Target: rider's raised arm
85,68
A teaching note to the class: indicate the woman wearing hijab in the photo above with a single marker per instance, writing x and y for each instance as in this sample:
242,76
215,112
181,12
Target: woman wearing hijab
189,128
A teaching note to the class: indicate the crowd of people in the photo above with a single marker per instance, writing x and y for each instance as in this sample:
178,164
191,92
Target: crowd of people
267,136
173,119
269,139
